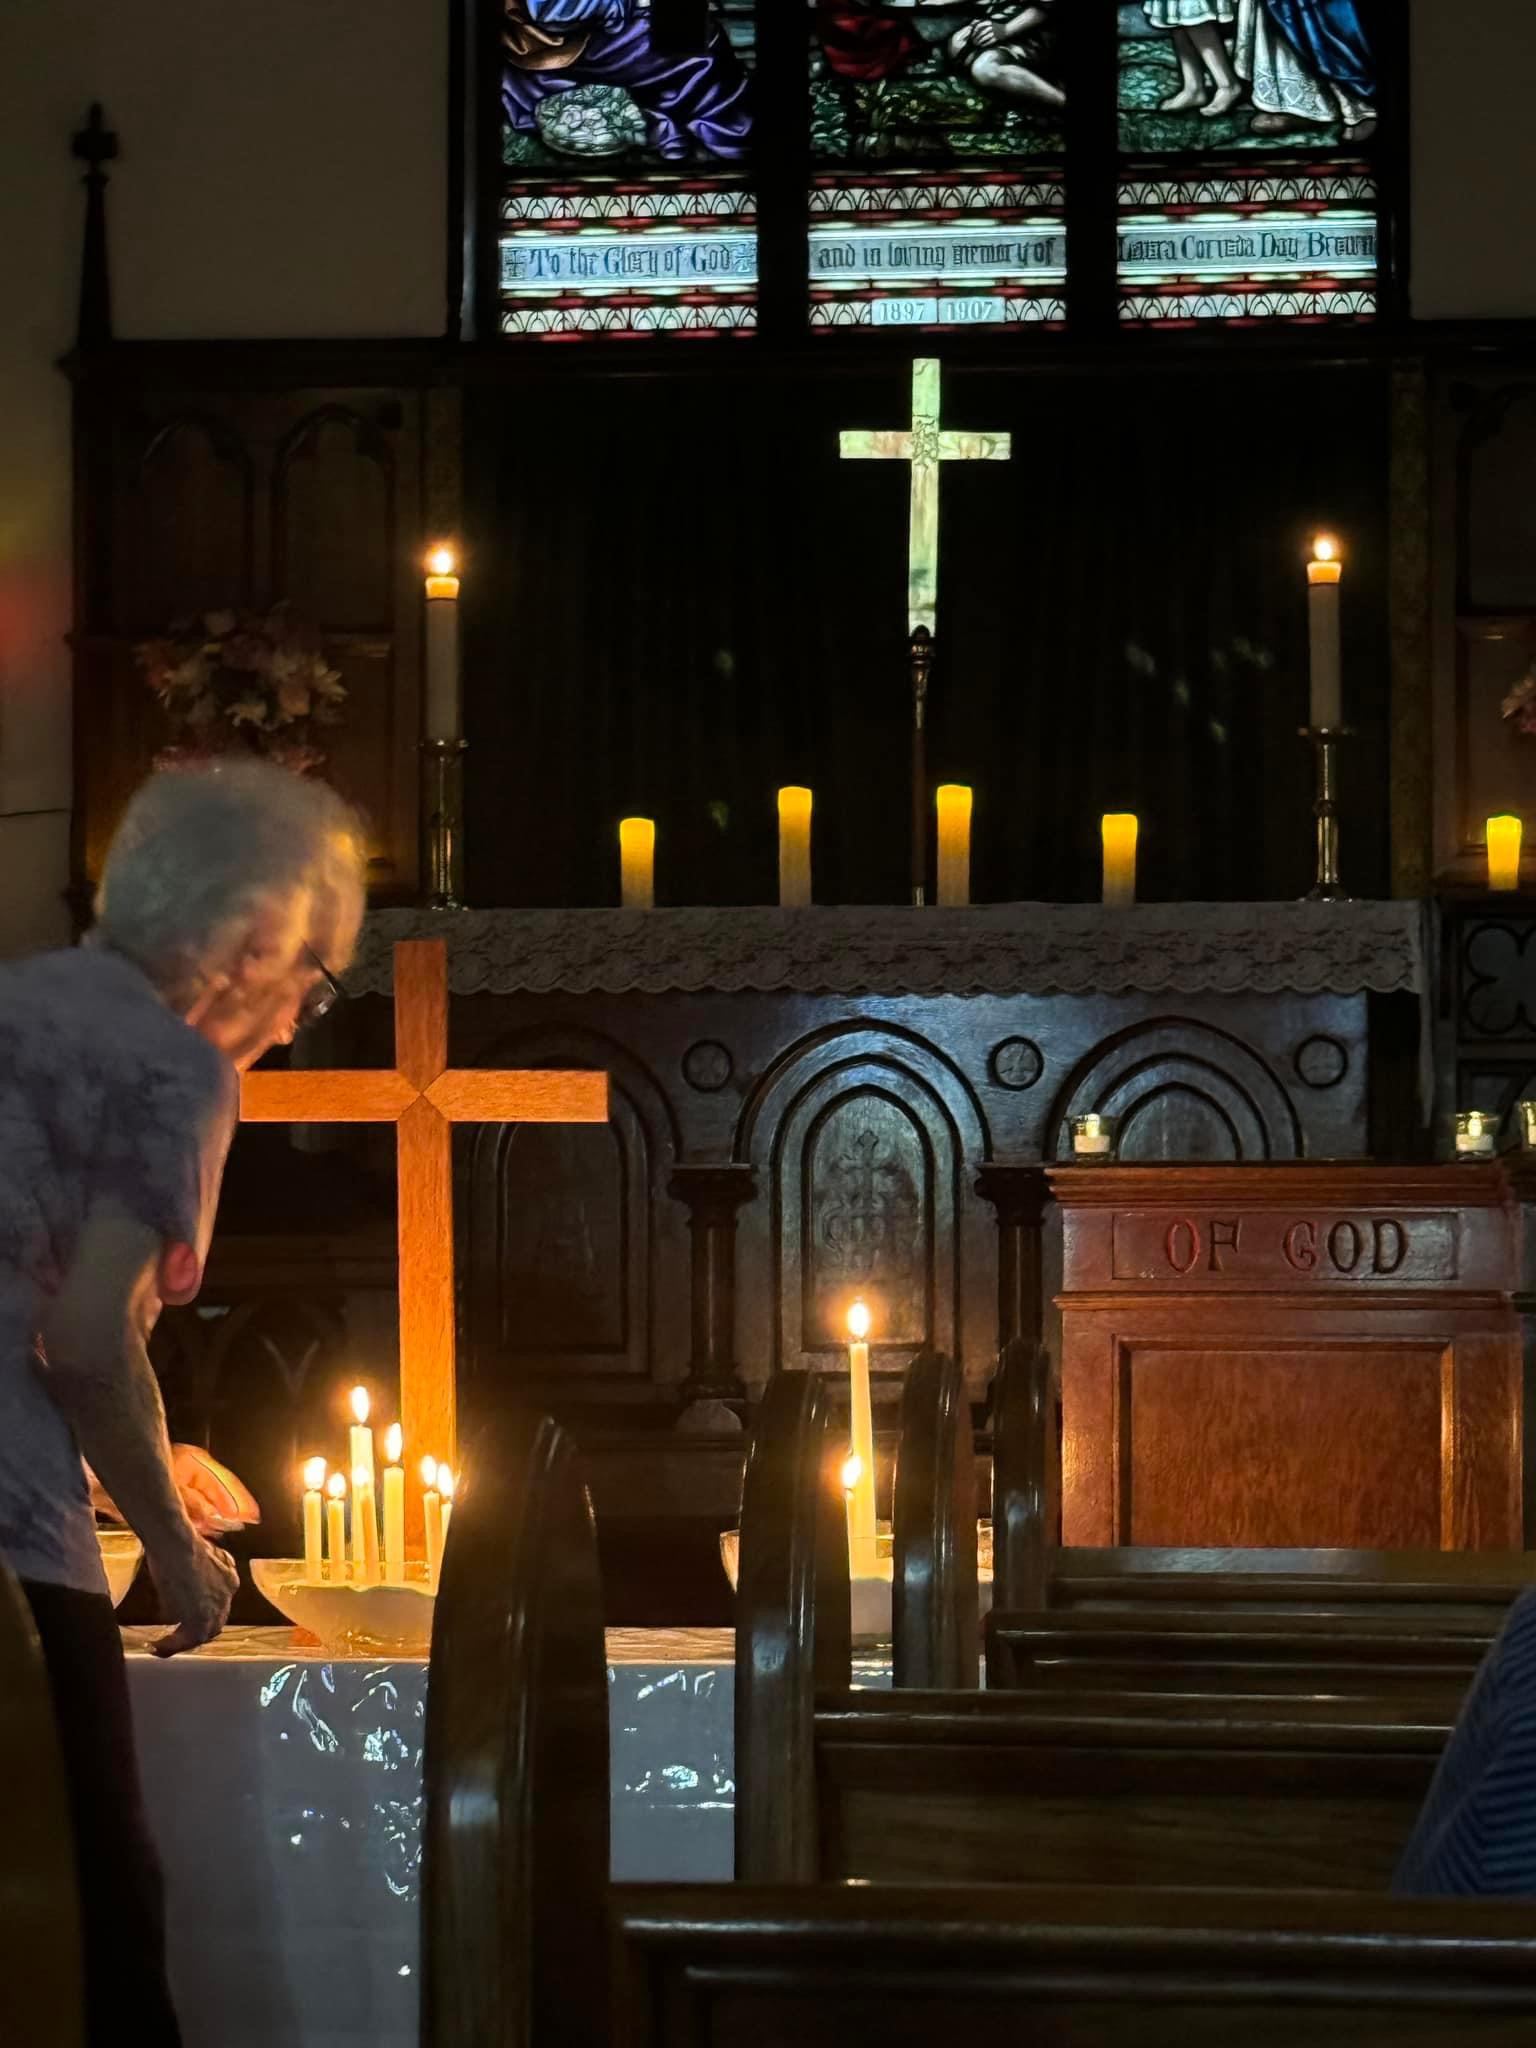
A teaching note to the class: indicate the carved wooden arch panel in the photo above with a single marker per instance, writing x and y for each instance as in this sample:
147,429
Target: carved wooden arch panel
334,521
188,544
1181,1090
866,1145
574,1261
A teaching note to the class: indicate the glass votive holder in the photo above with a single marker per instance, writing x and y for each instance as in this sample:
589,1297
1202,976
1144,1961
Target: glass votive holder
1527,1114
1093,1138
1477,1134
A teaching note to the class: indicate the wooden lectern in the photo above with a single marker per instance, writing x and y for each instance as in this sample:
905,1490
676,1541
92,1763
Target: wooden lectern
1290,1355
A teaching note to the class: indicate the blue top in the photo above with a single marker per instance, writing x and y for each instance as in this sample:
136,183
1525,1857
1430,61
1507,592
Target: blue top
1477,1834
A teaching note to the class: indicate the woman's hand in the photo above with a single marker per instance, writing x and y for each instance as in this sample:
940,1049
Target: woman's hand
197,1585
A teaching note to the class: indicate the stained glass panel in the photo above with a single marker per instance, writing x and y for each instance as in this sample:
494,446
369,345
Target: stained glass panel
937,144
628,205
1254,197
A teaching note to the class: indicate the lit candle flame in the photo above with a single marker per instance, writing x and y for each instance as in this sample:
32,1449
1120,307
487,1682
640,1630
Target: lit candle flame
1325,548
394,1443
429,1474
1474,1125
442,561
314,1474
336,1486
359,1478
445,1482
360,1403
858,1322
853,1471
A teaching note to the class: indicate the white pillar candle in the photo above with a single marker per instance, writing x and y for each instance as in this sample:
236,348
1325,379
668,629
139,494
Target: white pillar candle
336,1527
861,1500
445,1485
432,1520
314,1480
443,706
954,808
1119,830
365,1531
361,1446
637,863
394,1508
1324,573
794,847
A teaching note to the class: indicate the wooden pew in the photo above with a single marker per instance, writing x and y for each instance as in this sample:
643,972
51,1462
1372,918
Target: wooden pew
40,1986
526,1945
979,1787
1376,1616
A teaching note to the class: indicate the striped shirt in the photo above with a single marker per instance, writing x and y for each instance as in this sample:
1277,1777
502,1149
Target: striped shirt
1477,1833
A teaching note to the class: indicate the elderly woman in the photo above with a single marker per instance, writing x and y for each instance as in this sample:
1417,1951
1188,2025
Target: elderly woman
224,892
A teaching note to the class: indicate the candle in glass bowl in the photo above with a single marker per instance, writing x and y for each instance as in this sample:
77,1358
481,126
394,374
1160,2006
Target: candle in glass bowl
861,1502
1477,1133
314,1480
362,1436
336,1526
432,1519
365,1531
394,1507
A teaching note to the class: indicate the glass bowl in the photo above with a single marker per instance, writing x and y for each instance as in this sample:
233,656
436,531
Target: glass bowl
121,1554
345,1617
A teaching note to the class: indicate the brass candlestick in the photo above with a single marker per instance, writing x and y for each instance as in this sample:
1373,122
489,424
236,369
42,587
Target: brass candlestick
1325,809
442,828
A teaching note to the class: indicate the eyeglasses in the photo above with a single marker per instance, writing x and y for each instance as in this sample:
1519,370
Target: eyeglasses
323,997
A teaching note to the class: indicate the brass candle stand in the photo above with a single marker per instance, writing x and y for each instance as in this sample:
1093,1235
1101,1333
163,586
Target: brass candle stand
442,830
1325,809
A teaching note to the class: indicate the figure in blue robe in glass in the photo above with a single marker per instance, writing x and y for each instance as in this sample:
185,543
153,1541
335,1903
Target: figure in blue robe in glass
694,104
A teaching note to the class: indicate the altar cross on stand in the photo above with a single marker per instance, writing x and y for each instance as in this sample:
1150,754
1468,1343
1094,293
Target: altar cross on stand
423,1097
925,445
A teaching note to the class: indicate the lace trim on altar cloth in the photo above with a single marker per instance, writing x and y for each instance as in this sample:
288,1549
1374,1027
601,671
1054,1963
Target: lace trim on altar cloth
1002,949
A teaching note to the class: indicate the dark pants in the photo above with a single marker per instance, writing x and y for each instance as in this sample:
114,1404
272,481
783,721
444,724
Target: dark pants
122,1900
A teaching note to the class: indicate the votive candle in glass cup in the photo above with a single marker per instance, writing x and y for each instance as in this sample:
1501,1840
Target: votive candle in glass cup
1093,1137
1477,1134
1527,1111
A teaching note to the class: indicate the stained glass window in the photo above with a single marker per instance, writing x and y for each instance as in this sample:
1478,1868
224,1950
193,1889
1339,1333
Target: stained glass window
628,204
1247,190
936,145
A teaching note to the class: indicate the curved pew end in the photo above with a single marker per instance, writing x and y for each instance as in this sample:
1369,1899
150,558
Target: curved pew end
936,1626
515,1769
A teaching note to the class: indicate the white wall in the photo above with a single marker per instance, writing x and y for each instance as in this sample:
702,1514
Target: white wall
283,173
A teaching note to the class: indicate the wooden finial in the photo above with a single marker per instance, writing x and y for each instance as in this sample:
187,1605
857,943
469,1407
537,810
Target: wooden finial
95,145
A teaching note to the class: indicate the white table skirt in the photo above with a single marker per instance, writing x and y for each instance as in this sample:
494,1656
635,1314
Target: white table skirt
284,1790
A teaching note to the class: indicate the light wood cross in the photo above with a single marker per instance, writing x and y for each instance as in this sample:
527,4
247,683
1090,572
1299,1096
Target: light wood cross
925,445
423,1097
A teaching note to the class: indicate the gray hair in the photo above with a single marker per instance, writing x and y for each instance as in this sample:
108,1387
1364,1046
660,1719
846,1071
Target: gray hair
202,852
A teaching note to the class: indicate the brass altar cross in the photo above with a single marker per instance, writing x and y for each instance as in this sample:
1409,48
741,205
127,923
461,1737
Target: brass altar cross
925,445
423,1097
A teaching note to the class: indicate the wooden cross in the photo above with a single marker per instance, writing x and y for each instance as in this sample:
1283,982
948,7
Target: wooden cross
925,445
423,1097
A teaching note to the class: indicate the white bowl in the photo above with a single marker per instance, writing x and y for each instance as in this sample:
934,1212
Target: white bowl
121,1553
348,1617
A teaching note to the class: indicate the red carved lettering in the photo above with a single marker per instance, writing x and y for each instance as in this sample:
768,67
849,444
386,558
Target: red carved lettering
1301,1246
1182,1236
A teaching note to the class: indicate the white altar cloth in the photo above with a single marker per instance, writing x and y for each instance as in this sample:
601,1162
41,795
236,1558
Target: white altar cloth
284,1790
